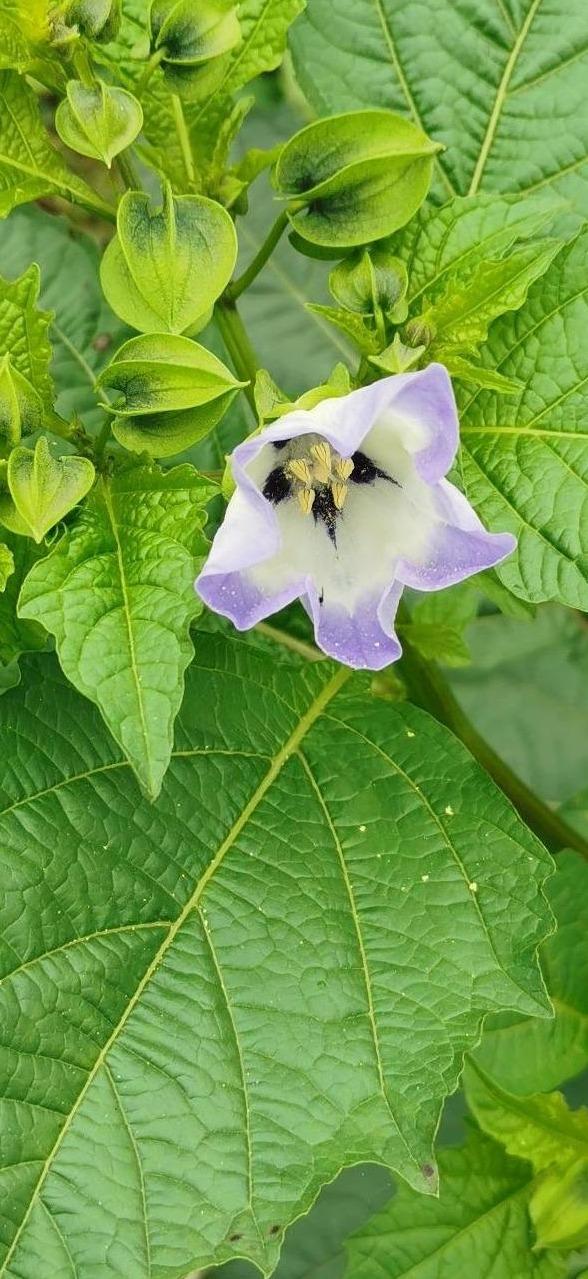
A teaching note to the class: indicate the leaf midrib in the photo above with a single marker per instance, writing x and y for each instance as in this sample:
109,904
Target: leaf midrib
500,99
305,723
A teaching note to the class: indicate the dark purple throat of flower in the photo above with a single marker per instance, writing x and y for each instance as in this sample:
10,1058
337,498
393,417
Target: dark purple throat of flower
319,481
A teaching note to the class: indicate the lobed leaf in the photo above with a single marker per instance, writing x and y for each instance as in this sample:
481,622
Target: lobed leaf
502,85
117,593
176,1109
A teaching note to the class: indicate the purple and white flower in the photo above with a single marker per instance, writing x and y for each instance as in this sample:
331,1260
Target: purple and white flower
343,505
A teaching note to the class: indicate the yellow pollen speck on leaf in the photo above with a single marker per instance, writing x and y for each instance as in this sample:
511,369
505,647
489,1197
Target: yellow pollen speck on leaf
300,470
339,492
305,500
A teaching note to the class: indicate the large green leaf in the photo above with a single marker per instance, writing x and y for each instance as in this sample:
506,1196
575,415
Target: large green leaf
525,1054
29,166
117,593
84,332
479,1225
500,82
273,971
525,467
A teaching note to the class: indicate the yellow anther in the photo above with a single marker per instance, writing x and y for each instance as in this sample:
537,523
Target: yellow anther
305,499
321,473
343,468
300,470
321,453
339,492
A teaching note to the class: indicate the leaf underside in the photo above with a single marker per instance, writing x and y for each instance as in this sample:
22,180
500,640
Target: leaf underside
224,997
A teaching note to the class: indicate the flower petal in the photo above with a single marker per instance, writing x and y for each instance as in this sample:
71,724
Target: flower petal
459,545
363,639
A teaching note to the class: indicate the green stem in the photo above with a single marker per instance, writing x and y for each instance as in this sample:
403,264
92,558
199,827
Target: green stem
428,688
234,335
102,438
148,70
183,137
83,67
308,651
128,173
275,234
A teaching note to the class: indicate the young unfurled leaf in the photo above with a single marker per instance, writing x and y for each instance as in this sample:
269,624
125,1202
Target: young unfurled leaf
29,166
461,316
21,409
24,30
172,392
398,357
98,121
168,263
271,403
42,489
464,370
118,595
478,1226
371,279
540,1128
359,177
301,833
7,565
96,19
353,326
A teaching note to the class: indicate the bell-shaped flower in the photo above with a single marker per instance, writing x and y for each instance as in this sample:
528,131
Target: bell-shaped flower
344,505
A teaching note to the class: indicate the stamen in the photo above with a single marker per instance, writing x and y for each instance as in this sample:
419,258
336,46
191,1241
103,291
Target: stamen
339,492
321,453
300,470
305,498
343,468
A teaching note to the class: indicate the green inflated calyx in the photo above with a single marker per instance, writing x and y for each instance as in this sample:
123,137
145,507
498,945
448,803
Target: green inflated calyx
98,120
21,408
37,490
193,42
95,19
169,262
360,177
171,393
372,281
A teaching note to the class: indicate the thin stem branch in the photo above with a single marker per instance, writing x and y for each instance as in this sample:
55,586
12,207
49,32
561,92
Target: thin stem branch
148,70
236,340
274,235
183,137
308,651
428,688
